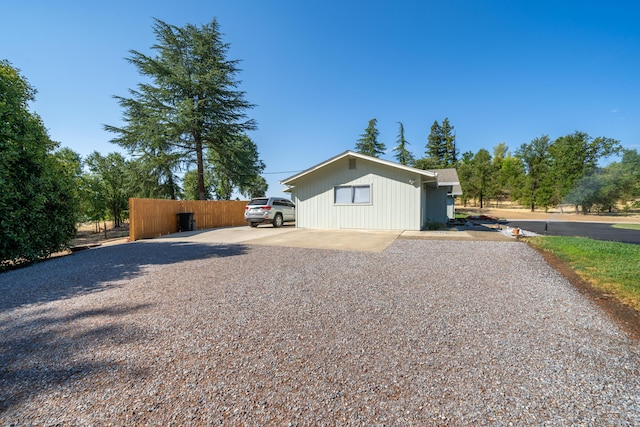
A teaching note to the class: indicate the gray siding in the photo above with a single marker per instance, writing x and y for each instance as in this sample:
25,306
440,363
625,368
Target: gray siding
395,201
436,202
451,208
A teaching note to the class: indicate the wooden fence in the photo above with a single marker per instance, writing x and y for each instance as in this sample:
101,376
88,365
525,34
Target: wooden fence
156,217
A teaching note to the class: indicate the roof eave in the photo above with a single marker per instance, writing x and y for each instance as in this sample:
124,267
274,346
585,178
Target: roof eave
348,153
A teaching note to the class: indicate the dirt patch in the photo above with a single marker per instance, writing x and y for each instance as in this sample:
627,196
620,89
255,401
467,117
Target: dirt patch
552,214
626,317
87,236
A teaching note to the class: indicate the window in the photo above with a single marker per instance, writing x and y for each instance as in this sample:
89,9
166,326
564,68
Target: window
352,194
342,195
259,202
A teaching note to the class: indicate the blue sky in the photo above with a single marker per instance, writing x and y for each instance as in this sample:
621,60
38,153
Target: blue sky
318,71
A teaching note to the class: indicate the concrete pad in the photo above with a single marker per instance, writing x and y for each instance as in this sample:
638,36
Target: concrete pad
348,240
475,233
436,234
226,235
345,240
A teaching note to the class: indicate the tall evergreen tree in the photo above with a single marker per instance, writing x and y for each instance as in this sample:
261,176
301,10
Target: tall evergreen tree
191,102
465,174
190,184
441,145
403,155
256,188
237,166
449,138
368,143
427,163
155,172
435,148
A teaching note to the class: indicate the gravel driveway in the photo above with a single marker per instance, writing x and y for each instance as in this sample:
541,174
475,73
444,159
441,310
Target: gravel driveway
427,332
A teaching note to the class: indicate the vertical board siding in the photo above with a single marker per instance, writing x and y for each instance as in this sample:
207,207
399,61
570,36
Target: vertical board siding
156,217
395,203
436,206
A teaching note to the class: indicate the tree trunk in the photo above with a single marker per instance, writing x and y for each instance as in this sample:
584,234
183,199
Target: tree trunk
200,161
172,187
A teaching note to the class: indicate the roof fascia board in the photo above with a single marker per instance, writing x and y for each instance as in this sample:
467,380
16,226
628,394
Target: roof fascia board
349,153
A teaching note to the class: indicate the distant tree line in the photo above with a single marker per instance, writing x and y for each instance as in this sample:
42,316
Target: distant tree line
540,174
440,150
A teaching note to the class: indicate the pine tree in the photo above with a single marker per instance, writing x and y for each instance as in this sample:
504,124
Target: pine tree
191,103
449,139
435,147
403,155
441,145
368,143
238,165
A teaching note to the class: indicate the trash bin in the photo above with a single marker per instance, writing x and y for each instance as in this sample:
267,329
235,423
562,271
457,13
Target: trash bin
186,221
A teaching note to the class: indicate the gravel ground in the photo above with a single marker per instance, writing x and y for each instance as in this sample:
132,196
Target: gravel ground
424,333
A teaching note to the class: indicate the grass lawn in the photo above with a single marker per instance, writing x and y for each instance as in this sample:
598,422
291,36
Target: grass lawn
627,226
609,266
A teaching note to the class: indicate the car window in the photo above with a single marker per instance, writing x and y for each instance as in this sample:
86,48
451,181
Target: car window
258,202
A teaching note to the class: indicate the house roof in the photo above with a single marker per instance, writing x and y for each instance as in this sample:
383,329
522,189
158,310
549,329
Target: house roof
449,176
428,174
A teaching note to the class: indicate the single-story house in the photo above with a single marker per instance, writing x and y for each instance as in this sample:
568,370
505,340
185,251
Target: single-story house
449,178
353,190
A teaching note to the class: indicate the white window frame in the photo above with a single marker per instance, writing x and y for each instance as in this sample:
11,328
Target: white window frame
351,199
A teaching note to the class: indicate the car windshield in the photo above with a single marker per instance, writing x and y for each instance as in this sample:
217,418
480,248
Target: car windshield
258,202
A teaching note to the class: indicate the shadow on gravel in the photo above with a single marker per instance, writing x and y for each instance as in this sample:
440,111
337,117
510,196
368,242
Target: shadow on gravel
92,270
44,353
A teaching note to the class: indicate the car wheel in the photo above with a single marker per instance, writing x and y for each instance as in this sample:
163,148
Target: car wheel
253,224
277,221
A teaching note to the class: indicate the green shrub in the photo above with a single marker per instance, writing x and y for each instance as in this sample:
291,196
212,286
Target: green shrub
38,204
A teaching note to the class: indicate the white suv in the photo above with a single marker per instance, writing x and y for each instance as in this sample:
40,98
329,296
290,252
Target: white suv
274,210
